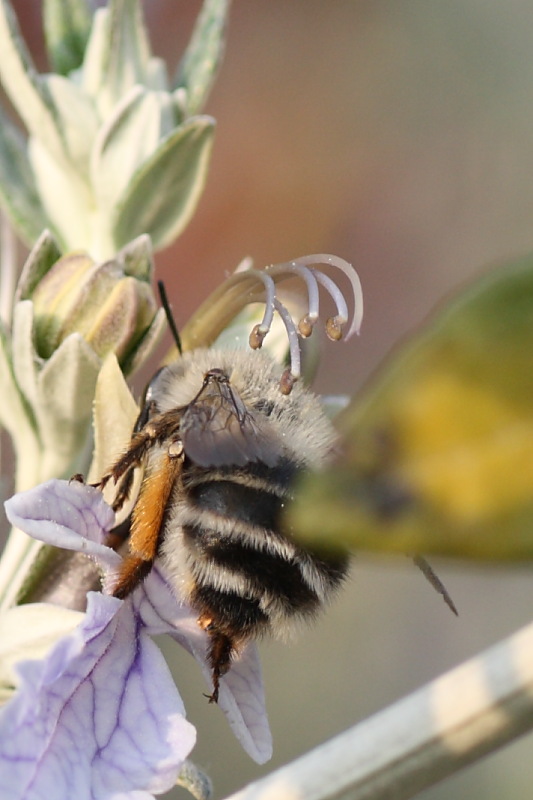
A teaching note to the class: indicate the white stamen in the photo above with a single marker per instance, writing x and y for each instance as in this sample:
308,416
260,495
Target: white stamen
294,268
353,277
292,334
306,269
336,295
270,300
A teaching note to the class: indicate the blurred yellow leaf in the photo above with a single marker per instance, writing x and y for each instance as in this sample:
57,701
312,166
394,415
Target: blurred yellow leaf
437,453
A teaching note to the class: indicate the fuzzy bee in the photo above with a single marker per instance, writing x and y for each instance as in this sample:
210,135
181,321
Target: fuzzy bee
221,446
219,442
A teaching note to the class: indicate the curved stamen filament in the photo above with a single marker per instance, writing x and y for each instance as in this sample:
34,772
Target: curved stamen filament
337,296
294,268
260,331
248,285
289,377
353,277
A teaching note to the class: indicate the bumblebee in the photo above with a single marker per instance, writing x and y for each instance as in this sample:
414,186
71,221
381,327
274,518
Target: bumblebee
220,445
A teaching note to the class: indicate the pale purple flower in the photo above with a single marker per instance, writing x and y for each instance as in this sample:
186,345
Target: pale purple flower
100,716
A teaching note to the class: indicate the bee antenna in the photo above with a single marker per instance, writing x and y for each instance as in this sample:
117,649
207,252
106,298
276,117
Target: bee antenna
169,315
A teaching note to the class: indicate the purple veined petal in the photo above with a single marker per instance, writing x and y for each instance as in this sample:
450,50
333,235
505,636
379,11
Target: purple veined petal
242,695
65,514
242,699
98,719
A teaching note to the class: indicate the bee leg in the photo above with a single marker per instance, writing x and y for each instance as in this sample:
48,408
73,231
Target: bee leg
147,522
142,441
134,570
125,468
220,653
123,491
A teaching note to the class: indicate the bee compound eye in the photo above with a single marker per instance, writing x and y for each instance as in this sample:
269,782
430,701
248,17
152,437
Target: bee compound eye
175,449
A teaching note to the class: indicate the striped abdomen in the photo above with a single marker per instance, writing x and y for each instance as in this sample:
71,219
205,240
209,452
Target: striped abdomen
238,571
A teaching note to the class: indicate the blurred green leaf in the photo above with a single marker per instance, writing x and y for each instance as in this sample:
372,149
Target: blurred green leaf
131,134
163,193
26,89
117,55
198,68
438,451
14,413
112,423
67,24
18,195
42,257
66,386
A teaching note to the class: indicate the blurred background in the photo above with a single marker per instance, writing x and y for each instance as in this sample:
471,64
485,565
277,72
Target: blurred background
400,137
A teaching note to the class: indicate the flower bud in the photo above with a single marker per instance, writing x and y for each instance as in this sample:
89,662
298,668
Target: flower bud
110,309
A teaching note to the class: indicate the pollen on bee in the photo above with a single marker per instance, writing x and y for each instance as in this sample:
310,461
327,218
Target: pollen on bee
150,507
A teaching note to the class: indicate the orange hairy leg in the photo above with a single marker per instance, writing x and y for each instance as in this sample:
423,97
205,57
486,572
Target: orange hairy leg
147,521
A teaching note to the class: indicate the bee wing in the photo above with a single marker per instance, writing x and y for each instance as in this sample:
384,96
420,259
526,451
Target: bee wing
219,430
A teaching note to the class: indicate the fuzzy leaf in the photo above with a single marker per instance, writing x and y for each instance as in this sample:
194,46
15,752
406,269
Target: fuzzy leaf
118,54
24,358
112,422
163,193
43,255
18,197
65,197
77,120
67,24
66,389
26,89
438,452
137,258
147,344
200,63
129,137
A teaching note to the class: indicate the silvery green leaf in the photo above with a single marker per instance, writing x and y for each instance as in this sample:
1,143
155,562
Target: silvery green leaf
117,54
17,555
66,198
18,197
14,414
197,782
43,255
137,258
112,421
164,191
26,362
198,68
146,346
66,389
67,24
156,75
77,120
25,88
127,139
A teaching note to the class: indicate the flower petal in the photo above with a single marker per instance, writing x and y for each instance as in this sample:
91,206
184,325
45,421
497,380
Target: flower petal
242,699
99,718
242,696
65,514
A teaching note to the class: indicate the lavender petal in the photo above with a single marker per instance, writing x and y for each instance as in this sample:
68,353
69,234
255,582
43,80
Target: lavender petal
242,696
99,718
65,514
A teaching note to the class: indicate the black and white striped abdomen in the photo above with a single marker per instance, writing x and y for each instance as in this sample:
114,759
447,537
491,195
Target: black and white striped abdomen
232,563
